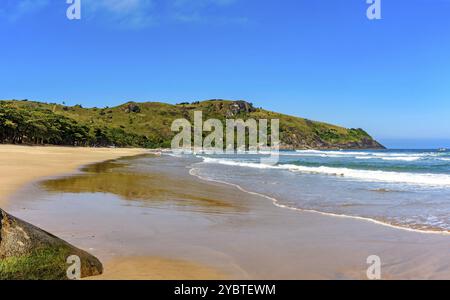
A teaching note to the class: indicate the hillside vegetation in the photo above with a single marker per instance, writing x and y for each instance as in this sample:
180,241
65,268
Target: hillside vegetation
149,125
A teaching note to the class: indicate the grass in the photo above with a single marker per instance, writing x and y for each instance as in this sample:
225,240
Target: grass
42,264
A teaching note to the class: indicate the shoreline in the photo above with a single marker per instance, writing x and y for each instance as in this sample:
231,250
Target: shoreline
333,215
232,241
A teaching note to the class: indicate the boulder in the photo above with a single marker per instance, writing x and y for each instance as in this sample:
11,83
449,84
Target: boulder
132,108
28,252
238,107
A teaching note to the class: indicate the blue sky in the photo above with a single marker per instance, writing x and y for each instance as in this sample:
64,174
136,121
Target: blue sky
320,59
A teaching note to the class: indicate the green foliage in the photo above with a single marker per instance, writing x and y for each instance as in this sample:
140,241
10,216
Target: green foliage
149,124
43,264
39,125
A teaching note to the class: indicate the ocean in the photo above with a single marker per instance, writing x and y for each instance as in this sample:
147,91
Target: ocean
408,189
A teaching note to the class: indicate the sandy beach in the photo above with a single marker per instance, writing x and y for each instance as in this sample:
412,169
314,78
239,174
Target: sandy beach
21,164
147,218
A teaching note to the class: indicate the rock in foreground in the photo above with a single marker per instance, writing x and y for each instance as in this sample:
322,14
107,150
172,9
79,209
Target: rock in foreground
30,253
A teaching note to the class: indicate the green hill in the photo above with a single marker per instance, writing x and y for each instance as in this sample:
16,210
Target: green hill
148,125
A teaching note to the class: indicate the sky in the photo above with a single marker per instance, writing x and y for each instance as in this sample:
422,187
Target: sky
319,59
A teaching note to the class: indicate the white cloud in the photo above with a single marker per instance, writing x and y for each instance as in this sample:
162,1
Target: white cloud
15,9
127,13
142,13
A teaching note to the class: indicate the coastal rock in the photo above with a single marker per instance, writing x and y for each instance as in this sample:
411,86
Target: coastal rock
28,252
132,108
238,107
295,140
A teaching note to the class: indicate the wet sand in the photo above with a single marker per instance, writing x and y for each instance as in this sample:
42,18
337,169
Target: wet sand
21,164
148,218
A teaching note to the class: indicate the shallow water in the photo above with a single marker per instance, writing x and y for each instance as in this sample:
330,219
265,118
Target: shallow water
143,181
405,188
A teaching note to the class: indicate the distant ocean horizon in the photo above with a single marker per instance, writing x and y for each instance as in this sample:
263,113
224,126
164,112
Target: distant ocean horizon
405,143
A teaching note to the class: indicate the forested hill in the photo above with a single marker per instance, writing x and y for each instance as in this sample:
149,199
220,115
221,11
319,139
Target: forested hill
149,125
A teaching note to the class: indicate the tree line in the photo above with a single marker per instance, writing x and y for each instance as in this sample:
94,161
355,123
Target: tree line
39,126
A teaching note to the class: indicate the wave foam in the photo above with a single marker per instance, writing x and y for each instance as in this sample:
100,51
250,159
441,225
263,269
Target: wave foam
393,158
438,180
276,202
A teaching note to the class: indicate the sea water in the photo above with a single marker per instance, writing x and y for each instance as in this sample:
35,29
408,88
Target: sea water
408,189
